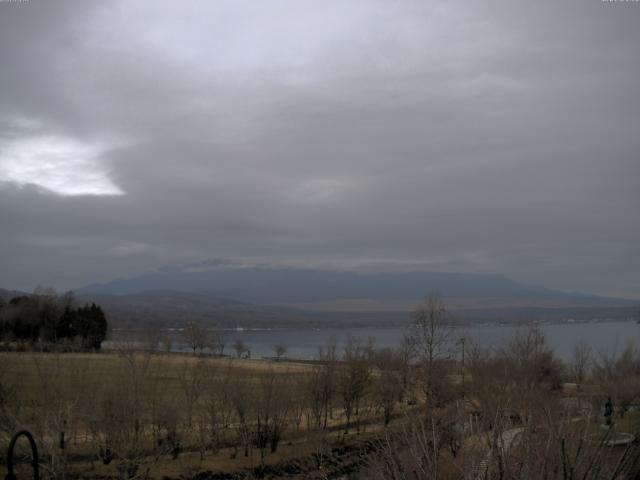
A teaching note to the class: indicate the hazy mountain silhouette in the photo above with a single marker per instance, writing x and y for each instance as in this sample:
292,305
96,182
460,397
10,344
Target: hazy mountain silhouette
471,298
267,285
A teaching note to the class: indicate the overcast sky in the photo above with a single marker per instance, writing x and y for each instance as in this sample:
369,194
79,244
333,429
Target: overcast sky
480,136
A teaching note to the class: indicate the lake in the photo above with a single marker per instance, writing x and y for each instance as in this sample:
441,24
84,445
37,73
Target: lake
302,343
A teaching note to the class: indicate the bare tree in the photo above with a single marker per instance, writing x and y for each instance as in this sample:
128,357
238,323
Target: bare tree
191,379
530,361
404,355
217,401
243,404
430,337
388,383
240,347
195,336
315,395
120,424
353,379
280,350
217,342
581,360
327,355
270,412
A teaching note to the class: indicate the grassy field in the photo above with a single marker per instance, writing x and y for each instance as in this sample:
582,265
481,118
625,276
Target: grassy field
134,414
35,376
49,393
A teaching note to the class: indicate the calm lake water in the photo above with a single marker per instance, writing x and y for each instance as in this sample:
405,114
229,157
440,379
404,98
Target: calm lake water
606,337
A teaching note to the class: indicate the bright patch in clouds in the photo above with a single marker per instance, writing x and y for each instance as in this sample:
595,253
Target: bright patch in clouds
58,164
319,191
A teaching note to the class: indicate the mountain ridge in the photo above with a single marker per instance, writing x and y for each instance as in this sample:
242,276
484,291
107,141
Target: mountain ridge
295,286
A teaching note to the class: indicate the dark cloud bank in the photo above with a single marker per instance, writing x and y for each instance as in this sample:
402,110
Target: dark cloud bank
472,137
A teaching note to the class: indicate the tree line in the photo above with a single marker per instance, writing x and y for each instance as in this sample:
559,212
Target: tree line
48,319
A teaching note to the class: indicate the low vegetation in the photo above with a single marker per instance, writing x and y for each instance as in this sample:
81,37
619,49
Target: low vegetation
417,411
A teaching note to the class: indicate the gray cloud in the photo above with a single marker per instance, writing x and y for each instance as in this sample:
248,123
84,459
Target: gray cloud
497,136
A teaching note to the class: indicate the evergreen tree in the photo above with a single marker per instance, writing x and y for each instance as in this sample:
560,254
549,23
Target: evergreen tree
49,318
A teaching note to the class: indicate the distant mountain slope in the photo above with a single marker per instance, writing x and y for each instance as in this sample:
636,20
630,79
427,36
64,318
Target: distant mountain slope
289,286
175,308
172,308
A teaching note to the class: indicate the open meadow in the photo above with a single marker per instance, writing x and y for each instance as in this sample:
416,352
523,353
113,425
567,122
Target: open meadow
133,413
360,412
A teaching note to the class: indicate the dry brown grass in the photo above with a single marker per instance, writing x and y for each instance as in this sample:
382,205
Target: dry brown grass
53,392
25,370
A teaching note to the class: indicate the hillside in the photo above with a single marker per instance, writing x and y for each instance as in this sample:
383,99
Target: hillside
174,308
267,296
313,288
